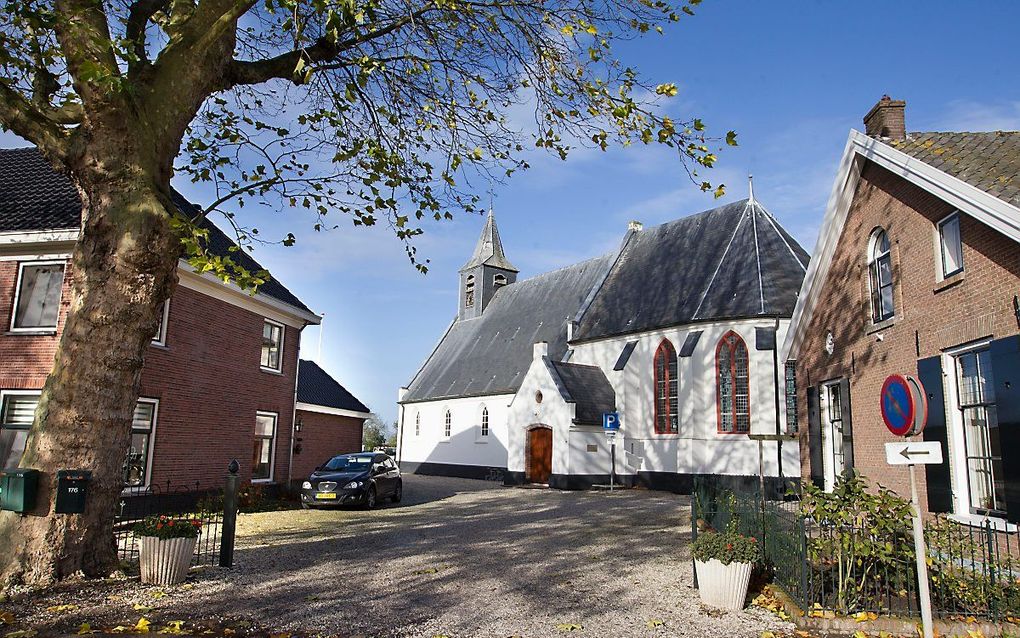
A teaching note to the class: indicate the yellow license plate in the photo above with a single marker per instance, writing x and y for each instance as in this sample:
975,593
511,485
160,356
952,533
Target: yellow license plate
326,495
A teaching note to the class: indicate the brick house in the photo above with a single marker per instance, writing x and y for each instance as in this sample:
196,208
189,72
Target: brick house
916,272
219,379
330,420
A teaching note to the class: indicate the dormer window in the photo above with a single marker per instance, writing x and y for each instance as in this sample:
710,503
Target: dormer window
498,281
469,291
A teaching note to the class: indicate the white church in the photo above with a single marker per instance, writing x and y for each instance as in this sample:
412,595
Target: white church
676,331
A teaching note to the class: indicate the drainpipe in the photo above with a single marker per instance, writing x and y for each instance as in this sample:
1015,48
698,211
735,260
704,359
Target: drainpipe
400,423
775,366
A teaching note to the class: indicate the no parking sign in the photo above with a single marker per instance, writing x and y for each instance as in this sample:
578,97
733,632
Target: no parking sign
904,405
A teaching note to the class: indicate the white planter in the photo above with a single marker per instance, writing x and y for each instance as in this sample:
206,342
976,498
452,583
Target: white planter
723,586
165,561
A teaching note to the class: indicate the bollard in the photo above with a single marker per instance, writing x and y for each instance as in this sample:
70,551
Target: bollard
229,515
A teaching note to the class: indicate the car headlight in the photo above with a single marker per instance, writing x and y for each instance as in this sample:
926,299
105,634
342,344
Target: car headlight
353,485
307,485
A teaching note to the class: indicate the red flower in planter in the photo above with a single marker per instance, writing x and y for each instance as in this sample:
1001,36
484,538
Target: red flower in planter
159,525
171,523
729,545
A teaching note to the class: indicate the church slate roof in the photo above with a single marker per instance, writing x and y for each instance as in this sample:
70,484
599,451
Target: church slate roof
317,387
35,197
989,161
491,354
731,262
588,389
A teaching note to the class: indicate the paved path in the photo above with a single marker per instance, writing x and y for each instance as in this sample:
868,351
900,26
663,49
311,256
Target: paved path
467,558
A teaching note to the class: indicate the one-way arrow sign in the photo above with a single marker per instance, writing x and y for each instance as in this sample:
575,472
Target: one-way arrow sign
913,453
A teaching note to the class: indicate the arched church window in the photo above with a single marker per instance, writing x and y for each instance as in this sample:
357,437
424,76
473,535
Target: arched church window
417,424
880,276
732,388
498,281
485,422
447,424
469,291
666,389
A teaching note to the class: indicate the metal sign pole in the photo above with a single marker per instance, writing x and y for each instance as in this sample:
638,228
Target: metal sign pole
922,558
612,469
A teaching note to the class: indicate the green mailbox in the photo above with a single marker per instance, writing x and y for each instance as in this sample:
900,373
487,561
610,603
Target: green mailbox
18,489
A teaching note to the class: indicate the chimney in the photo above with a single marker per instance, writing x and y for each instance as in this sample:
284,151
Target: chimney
887,119
541,349
635,226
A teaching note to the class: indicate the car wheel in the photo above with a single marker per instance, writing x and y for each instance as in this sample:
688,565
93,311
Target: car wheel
370,500
398,492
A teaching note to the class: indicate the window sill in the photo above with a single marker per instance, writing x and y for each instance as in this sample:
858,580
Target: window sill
444,440
948,282
42,332
973,520
271,371
140,490
882,325
158,346
261,481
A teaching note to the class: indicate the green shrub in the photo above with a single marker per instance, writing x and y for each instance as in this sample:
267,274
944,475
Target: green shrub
164,527
727,547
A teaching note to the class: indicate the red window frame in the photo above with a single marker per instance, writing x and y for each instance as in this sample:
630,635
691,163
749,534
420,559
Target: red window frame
734,344
665,419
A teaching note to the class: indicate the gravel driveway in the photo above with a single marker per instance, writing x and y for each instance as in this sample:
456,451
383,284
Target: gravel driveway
467,558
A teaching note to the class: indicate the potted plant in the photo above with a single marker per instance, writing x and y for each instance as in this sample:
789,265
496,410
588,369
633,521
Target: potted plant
723,561
167,546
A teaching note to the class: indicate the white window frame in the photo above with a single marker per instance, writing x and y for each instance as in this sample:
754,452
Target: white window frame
283,336
828,440
17,295
874,276
272,447
22,393
957,444
941,248
152,444
160,339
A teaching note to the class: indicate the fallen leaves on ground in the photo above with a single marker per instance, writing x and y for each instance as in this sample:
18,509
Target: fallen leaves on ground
769,601
140,607
84,629
25,633
61,609
6,618
158,594
655,622
864,616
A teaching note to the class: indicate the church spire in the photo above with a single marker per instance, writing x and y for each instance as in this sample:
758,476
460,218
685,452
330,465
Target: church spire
489,251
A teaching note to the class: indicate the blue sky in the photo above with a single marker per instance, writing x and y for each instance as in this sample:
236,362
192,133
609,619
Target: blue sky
790,77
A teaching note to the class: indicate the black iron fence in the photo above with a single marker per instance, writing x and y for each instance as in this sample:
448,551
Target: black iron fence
974,570
215,507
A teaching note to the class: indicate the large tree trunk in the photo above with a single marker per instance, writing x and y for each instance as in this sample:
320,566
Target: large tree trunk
122,269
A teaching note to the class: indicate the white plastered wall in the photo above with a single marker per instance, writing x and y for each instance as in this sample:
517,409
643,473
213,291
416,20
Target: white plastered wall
698,448
465,445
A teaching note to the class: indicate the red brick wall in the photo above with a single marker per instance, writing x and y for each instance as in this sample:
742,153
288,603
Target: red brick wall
323,436
207,379
938,317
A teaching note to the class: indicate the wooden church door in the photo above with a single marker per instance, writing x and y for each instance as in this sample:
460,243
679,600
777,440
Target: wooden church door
539,455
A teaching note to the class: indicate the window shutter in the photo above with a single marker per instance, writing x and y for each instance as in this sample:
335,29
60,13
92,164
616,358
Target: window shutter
939,485
815,437
848,426
1005,356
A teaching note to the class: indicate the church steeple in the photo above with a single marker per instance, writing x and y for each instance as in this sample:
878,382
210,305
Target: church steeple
489,251
486,272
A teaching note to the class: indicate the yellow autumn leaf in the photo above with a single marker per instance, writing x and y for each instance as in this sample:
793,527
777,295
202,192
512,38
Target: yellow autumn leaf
6,618
569,626
655,622
60,609
141,627
158,594
860,634
140,607
173,627
767,634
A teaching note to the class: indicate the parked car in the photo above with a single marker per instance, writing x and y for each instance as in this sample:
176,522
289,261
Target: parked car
353,479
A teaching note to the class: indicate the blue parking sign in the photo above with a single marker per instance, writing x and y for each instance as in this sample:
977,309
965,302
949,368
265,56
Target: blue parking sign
611,421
